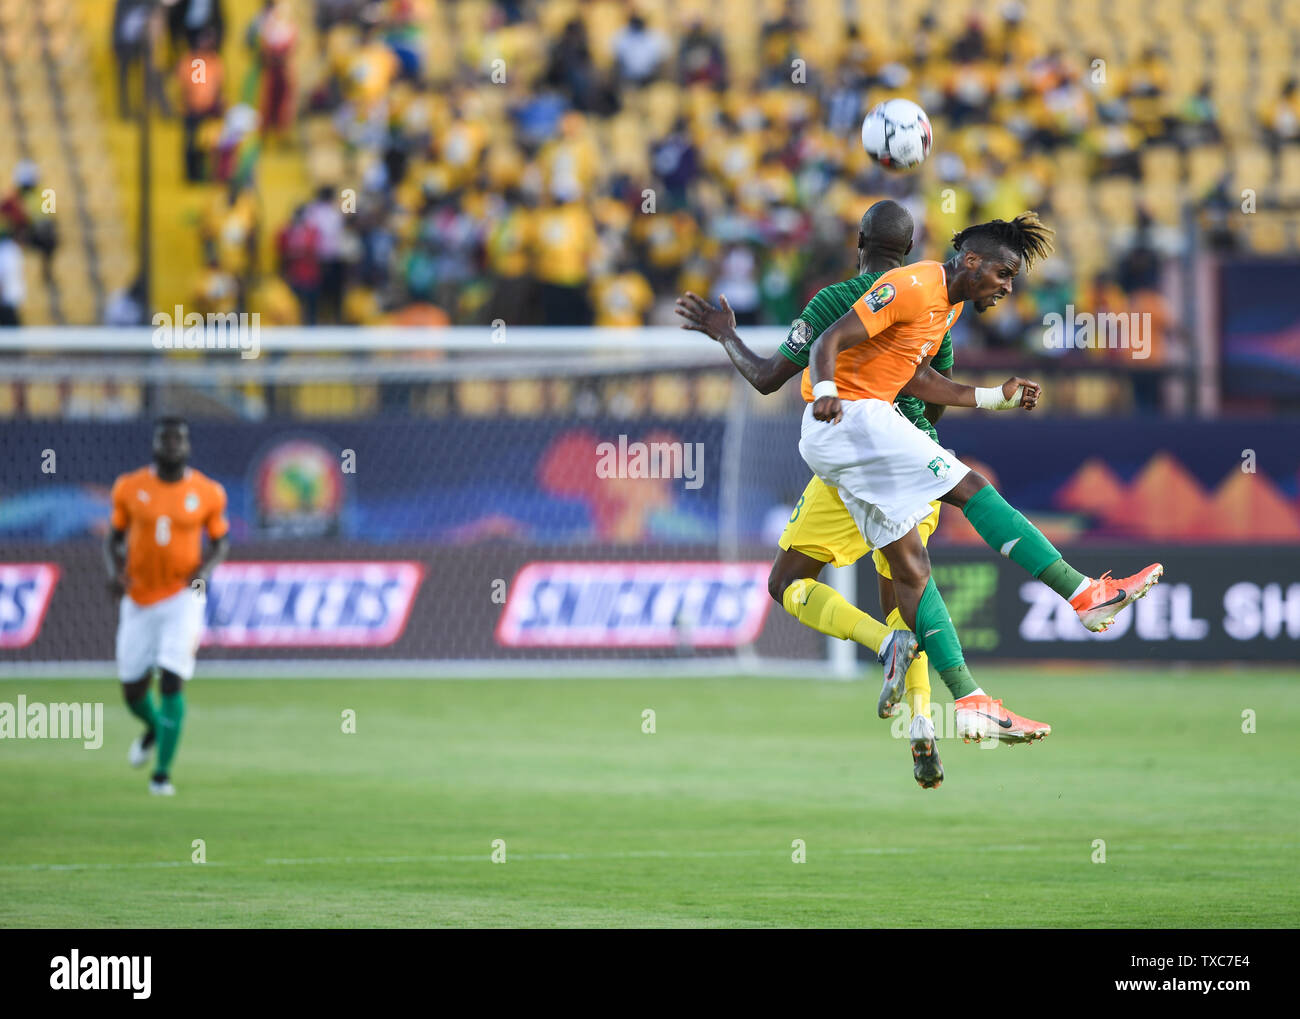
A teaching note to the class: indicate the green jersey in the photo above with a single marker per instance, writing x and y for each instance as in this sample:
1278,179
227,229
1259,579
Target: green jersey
827,306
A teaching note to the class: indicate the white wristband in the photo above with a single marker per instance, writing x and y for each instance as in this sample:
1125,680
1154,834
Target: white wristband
991,398
825,388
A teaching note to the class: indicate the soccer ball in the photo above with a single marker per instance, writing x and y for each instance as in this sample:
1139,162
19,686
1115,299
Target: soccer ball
897,134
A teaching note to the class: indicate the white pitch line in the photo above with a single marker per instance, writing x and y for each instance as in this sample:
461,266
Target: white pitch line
632,854
635,854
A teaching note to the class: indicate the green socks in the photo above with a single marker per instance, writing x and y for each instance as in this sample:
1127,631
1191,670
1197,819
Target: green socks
959,681
1063,578
144,710
169,730
1007,531
938,639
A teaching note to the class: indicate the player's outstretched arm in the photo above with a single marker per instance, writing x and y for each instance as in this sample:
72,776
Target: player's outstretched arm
847,331
766,375
930,386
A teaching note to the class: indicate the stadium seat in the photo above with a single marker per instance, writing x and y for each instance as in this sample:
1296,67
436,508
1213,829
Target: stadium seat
477,397
668,397
1288,177
525,397
1268,233
1252,167
1205,168
43,400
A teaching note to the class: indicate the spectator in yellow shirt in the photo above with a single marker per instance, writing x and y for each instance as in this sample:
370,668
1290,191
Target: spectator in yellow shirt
230,235
623,299
565,244
1281,116
509,240
371,70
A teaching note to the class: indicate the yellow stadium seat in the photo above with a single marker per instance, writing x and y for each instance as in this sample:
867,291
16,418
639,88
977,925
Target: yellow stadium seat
668,397
625,397
525,397
43,399
1268,233
130,398
1117,200
714,389
477,397
86,398
1162,163
1288,177
1205,167
1252,167
1162,200
333,399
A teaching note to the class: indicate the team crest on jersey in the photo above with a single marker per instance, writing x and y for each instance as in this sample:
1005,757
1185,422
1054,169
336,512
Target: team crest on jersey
191,502
799,335
881,296
940,467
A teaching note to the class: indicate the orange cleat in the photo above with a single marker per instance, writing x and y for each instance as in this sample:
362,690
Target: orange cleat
1099,602
980,717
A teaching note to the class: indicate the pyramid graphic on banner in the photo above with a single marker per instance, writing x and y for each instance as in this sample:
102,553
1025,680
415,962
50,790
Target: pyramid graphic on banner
1164,501
1094,488
1249,507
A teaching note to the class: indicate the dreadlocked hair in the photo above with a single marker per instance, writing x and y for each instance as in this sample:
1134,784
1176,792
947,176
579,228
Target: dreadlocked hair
1026,235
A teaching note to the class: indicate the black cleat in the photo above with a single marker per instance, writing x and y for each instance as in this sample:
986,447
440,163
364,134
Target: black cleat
926,765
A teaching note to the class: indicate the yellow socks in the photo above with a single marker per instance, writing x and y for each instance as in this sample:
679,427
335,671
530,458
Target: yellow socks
916,684
821,607
824,609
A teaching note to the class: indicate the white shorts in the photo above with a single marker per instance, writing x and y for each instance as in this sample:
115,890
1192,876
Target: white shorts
165,634
886,469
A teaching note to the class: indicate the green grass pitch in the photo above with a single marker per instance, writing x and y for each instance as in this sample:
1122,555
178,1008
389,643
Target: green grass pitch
604,825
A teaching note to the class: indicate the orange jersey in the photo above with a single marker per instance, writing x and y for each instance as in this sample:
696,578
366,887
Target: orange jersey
163,521
905,314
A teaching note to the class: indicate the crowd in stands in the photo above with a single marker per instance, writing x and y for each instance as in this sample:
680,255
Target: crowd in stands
581,170
23,227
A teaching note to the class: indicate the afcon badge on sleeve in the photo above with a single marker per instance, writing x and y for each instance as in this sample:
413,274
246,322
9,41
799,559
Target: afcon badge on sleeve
881,296
940,467
799,335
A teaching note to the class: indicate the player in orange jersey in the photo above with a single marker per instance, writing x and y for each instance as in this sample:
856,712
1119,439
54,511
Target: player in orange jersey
887,471
157,567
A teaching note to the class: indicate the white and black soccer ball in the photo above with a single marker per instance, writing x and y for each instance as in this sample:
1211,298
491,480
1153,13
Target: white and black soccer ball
897,134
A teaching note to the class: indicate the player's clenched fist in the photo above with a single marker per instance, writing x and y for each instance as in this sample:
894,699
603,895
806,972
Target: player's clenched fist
1030,391
828,408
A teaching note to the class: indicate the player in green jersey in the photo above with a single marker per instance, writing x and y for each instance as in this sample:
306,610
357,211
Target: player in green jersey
821,529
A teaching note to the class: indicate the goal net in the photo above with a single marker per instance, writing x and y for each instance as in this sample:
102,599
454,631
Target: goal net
547,501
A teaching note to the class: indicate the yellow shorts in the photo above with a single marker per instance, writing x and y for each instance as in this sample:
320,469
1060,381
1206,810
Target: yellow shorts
820,527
